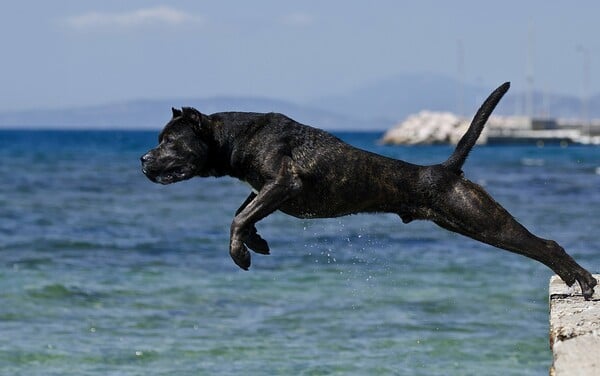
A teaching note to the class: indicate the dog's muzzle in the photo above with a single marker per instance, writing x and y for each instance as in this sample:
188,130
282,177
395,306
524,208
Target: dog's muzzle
147,160
159,173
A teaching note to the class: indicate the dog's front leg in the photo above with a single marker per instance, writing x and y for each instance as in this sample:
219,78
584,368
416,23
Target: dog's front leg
252,240
285,185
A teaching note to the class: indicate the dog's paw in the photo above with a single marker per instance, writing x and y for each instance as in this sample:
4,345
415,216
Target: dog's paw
239,253
587,286
257,244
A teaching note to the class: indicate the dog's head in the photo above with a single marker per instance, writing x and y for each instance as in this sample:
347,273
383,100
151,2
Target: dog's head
181,152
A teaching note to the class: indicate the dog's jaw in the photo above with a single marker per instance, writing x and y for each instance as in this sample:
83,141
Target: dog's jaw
168,177
160,170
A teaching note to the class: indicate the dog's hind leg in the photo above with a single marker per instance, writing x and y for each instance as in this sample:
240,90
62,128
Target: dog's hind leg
467,209
251,238
283,187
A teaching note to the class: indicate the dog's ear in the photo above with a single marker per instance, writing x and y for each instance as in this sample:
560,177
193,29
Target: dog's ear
176,112
193,114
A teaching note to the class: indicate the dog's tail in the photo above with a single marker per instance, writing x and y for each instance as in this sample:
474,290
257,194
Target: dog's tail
466,143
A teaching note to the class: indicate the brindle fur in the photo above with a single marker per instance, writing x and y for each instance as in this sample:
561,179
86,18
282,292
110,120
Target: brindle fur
308,173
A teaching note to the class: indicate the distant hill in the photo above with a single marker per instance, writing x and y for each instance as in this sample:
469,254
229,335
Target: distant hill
153,114
377,106
394,98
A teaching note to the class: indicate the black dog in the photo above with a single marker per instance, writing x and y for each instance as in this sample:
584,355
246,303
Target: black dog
309,173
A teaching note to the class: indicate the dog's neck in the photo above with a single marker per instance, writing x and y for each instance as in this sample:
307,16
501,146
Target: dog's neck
224,134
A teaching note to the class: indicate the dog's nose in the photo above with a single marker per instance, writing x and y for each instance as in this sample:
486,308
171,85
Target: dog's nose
146,158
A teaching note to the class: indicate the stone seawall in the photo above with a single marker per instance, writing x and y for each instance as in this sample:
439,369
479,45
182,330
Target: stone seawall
574,330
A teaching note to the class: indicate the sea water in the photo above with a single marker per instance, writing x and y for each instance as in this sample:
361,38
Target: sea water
104,273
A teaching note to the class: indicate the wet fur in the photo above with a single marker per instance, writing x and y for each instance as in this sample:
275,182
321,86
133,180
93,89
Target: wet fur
309,173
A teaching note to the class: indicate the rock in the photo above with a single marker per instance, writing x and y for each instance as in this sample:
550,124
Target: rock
574,330
427,127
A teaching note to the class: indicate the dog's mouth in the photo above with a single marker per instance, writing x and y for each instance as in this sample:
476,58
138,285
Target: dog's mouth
166,170
171,177
167,177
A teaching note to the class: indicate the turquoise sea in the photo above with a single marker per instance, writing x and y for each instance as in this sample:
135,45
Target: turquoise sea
104,273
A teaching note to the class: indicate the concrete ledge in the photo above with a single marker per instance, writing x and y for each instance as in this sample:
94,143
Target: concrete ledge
574,330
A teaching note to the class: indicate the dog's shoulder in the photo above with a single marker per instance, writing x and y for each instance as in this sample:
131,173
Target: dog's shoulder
262,124
270,131
235,118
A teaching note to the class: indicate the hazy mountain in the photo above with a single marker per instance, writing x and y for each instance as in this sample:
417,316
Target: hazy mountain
153,114
393,99
376,106
396,97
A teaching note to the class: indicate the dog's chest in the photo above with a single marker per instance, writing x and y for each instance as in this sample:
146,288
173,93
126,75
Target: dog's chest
254,189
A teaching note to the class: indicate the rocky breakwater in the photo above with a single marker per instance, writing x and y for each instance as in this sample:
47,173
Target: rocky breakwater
574,330
427,127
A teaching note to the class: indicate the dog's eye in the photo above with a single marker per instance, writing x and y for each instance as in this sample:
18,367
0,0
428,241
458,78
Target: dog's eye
164,137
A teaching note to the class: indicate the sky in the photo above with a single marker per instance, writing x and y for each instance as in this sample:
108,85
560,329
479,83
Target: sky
59,54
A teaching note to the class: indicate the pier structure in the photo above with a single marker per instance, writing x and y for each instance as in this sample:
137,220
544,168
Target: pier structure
574,330
429,127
